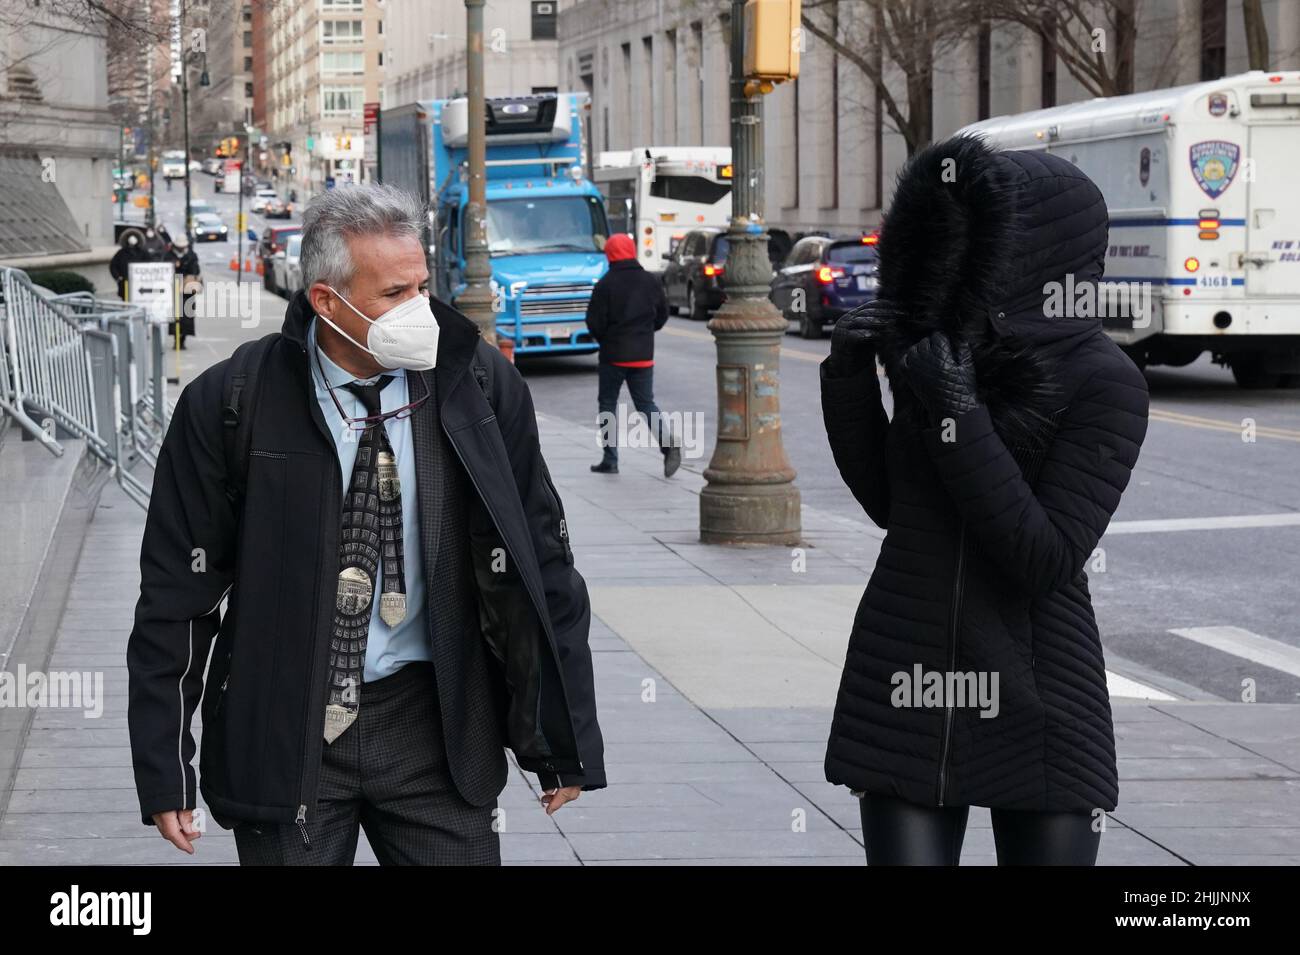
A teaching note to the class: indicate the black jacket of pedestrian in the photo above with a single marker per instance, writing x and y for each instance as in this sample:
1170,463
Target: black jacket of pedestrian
627,307
119,266
186,263
519,674
990,516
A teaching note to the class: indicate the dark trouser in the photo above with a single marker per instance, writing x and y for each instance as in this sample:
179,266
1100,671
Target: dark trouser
902,833
640,383
387,774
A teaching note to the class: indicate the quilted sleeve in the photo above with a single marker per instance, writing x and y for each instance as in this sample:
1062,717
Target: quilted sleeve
856,427
1042,536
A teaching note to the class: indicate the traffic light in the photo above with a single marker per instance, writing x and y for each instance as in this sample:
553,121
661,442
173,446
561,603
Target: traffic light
773,36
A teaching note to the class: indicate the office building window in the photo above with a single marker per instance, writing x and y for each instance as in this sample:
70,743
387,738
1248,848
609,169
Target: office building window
248,90
338,61
1047,60
344,4
1214,39
984,56
544,17
248,39
342,31
248,64
341,100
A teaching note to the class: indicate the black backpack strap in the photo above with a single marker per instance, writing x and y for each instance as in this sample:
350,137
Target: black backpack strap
237,405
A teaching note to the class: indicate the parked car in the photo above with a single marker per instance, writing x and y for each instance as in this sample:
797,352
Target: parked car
273,240
693,272
277,209
286,267
822,278
208,227
260,199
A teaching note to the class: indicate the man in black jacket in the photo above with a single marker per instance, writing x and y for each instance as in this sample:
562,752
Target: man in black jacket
627,307
367,492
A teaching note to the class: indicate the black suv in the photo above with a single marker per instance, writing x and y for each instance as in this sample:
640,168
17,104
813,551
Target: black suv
691,277
824,277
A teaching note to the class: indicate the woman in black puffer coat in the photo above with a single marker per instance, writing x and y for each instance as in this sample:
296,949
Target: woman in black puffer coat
1014,433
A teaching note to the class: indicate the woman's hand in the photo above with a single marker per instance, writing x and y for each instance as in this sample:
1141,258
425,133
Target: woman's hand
942,375
853,345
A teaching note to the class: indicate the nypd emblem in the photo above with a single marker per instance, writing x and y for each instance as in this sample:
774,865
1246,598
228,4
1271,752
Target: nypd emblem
1214,163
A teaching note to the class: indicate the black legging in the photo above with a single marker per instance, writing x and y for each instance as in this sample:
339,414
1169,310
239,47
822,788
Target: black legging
903,833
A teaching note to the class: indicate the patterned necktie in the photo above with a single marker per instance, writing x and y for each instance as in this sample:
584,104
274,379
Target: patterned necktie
371,533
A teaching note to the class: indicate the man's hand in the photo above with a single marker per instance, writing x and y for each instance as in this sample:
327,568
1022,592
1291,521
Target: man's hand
553,799
177,827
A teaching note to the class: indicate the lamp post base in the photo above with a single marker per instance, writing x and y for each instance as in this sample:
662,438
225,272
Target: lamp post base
750,514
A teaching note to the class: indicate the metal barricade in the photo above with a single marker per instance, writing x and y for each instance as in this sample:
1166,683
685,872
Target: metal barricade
86,366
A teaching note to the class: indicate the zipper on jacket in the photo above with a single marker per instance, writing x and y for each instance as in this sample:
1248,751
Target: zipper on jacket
221,695
335,495
558,509
954,618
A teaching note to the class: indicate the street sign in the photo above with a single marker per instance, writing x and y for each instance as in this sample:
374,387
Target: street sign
370,130
150,286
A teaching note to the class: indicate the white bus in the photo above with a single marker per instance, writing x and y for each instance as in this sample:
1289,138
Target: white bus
1204,203
659,193
173,164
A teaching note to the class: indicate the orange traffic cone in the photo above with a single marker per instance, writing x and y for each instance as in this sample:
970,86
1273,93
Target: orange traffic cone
234,263
248,265
261,269
507,347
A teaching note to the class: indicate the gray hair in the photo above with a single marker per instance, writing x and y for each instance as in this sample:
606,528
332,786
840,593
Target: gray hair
339,214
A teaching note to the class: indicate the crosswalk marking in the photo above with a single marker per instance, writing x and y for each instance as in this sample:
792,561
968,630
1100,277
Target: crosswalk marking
1124,688
1284,519
1249,646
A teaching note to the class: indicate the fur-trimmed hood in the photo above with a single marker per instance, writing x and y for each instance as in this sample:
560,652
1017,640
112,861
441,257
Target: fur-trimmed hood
970,240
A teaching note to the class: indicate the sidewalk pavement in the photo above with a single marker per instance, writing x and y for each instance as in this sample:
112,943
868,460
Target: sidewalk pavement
716,670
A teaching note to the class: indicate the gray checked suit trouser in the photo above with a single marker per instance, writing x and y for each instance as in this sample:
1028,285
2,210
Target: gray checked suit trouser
387,774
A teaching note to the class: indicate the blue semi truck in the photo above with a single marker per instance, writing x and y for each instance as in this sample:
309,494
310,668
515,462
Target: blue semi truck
546,224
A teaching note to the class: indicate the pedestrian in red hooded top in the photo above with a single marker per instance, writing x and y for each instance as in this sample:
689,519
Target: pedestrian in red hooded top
627,307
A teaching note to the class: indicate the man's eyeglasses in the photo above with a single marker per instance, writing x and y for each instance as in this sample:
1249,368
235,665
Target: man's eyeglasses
369,421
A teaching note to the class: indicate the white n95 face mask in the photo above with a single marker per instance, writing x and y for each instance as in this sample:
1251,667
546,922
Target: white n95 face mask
405,336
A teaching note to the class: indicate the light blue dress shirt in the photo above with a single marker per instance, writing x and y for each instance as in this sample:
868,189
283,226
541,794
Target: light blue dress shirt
387,648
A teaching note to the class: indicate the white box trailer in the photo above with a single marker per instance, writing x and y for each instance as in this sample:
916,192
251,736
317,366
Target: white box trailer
1204,197
659,193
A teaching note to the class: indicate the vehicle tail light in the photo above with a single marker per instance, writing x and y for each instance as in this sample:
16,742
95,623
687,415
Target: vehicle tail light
711,270
826,275
871,238
1208,224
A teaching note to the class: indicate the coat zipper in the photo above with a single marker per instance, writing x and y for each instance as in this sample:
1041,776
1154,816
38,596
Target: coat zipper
945,745
307,743
558,508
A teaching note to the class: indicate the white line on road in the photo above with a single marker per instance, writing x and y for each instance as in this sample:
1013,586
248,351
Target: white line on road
1249,646
1122,686
1285,519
